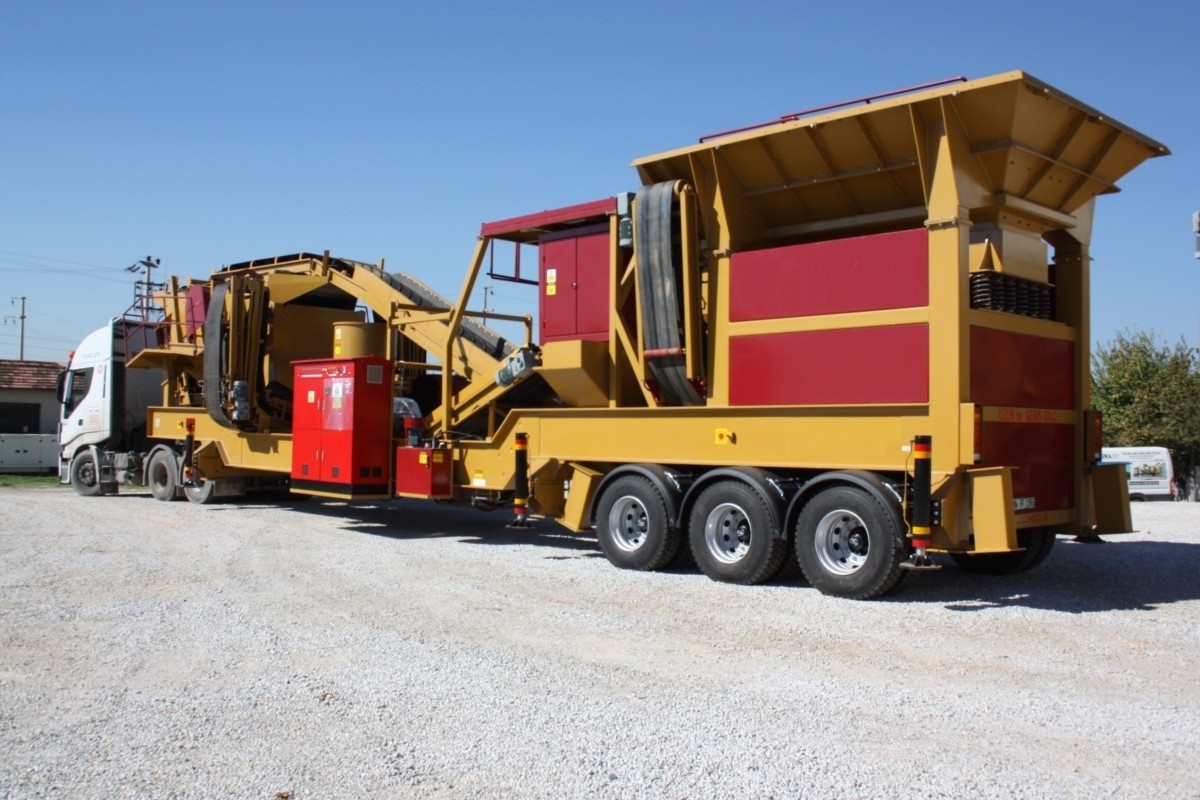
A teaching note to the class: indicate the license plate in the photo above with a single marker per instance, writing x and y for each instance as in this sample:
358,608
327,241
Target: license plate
1024,503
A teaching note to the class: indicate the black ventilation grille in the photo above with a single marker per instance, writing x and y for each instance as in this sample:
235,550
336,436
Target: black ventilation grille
997,292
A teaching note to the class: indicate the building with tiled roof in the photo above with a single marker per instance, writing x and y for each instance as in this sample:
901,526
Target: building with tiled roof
27,399
29,374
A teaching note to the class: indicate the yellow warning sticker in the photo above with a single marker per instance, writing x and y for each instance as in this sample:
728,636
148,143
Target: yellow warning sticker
423,458
438,457
551,289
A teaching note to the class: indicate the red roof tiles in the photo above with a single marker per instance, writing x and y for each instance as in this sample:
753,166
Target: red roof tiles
29,374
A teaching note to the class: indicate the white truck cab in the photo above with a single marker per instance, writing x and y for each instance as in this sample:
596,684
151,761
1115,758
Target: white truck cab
102,420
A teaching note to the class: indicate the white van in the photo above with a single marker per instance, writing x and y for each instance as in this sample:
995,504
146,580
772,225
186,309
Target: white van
1151,476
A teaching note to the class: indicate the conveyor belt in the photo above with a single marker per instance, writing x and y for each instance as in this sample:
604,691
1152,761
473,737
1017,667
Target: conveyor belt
213,348
477,334
659,275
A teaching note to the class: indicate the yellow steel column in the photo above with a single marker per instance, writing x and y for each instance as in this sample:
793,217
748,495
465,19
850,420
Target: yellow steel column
614,311
456,315
949,186
1072,292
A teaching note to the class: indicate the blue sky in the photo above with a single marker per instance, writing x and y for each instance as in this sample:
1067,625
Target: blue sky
206,133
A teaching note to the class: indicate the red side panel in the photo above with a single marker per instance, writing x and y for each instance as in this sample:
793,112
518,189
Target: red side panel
887,364
865,273
1015,369
1042,456
196,309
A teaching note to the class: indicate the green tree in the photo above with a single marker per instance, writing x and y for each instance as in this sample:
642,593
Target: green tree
1149,394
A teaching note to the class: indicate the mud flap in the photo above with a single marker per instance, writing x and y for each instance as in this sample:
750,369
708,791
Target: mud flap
992,510
1110,498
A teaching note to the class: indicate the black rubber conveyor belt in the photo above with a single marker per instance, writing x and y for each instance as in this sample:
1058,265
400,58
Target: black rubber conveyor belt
659,275
213,346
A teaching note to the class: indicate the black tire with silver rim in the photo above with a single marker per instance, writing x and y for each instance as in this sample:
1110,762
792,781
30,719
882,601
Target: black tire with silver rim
161,471
850,544
733,535
85,475
633,525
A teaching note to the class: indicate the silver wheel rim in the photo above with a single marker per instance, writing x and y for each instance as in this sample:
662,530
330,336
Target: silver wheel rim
727,533
628,523
842,542
87,472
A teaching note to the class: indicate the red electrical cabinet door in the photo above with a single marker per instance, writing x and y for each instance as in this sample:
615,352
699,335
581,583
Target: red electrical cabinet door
342,427
573,268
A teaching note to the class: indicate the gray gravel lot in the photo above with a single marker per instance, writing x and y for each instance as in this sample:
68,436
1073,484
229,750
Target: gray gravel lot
318,650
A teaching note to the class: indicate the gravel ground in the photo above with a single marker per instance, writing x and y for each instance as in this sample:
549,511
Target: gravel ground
407,650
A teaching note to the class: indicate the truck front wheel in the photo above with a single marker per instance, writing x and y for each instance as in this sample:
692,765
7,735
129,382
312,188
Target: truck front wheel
85,475
849,544
633,525
160,476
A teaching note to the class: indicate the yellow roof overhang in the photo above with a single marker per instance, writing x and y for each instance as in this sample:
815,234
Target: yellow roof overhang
1031,145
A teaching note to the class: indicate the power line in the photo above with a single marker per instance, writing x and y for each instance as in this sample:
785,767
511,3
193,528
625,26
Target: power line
42,315
34,337
48,353
58,260
24,266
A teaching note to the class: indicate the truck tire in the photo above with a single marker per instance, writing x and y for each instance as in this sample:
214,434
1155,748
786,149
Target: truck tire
733,536
161,470
201,491
1038,542
633,526
85,475
849,544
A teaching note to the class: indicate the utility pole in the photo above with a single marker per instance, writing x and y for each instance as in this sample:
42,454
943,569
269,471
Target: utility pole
149,263
22,319
1195,481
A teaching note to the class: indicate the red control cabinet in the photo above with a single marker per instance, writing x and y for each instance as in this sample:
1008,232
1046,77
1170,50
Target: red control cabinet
574,284
342,427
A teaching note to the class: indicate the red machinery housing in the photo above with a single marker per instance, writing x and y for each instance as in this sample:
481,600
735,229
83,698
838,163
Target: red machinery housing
342,417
